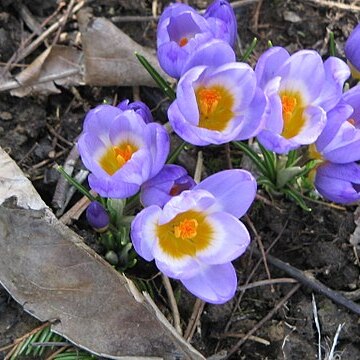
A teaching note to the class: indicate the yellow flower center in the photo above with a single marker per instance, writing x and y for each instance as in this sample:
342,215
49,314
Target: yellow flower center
292,112
313,153
117,156
183,41
184,235
215,106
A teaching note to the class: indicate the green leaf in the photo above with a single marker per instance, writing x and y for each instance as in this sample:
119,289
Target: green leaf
285,175
297,197
162,83
270,163
249,50
332,45
254,157
174,155
75,183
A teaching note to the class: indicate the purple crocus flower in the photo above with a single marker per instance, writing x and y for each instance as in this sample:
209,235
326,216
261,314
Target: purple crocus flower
352,52
169,182
337,176
97,216
222,10
300,90
338,182
215,105
197,234
139,107
182,33
121,150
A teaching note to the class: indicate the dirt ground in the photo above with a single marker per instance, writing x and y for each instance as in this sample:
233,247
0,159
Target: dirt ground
38,131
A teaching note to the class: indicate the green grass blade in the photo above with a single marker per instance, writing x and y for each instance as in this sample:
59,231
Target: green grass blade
249,50
269,162
162,83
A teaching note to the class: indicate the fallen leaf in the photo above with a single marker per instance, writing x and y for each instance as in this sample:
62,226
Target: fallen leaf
109,54
48,269
61,65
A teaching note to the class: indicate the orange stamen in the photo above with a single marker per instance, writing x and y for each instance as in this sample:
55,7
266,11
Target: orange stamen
183,41
187,229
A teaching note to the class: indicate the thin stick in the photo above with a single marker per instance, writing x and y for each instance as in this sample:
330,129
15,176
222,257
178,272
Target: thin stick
199,167
261,247
194,319
241,335
263,320
173,304
57,352
266,282
305,278
335,4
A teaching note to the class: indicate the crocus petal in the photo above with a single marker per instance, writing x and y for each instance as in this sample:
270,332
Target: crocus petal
221,9
352,49
335,118
139,107
234,189
143,231
339,182
225,227
314,124
215,284
106,187
213,53
303,72
345,146
269,63
336,72
352,97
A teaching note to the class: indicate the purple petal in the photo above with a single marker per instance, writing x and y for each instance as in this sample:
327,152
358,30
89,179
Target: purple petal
339,182
335,118
107,187
234,190
212,53
352,97
345,146
269,64
230,234
172,58
303,72
97,216
352,48
143,231
215,284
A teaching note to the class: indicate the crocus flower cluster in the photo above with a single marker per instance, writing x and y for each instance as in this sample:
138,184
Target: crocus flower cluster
193,231
197,234
337,177
121,150
185,38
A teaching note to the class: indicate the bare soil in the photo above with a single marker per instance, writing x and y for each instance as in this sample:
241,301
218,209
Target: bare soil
38,131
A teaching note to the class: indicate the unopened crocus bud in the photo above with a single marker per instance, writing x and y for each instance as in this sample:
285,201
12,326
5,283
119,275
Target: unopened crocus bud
352,52
222,10
97,216
139,107
171,181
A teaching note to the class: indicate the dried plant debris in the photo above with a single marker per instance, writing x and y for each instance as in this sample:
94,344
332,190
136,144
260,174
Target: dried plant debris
47,267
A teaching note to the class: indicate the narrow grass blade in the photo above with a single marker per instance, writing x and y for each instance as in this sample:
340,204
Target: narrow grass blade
162,83
249,50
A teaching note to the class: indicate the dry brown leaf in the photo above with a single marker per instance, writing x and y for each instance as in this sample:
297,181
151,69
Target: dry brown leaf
57,64
48,269
110,54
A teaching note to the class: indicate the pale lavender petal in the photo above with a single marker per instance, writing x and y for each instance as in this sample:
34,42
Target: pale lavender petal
275,142
352,97
314,124
143,231
212,53
269,64
335,118
345,146
254,117
336,72
352,48
176,268
339,182
159,146
215,284
234,190
303,72
172,58
107,187
230,234
196,199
